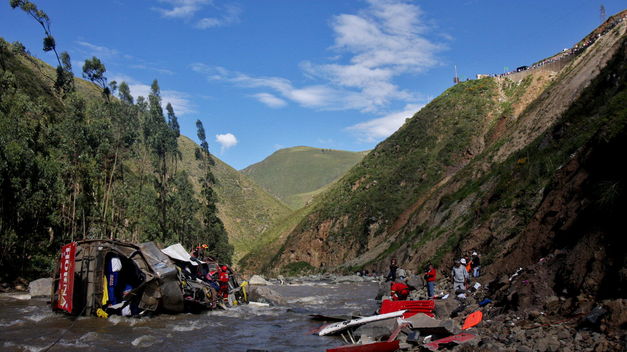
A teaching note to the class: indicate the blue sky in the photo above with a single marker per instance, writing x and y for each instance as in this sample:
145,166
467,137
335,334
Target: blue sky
264,75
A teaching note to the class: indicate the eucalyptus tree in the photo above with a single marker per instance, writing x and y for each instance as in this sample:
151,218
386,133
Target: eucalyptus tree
64,82
124,93
214,232
30,182
158,136
94,70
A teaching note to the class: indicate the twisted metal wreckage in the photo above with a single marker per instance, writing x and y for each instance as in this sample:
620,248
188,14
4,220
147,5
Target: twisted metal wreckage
155,280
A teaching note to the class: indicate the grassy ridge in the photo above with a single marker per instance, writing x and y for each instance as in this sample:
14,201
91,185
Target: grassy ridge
430,144
440,182
295,175
246,209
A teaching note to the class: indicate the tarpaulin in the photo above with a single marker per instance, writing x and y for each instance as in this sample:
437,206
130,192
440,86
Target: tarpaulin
66,277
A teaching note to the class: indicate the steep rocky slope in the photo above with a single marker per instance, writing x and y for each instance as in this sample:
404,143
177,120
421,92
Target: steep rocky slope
296,174
514,169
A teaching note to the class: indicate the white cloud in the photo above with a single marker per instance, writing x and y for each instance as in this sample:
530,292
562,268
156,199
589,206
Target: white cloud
97,50
323,97
225,14
182,8
375,46
229,15
382,42
382,127
226,140
151,68
180,100
270,100
113,56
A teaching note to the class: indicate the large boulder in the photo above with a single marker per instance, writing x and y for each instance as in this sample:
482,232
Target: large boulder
40,287
266,295
444,307
428,326
376,330
258,281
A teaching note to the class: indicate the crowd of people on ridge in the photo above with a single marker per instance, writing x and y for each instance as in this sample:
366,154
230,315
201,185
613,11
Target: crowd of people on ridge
567,53
216,275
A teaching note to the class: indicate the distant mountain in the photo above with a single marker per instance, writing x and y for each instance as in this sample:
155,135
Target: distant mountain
244,207
296,174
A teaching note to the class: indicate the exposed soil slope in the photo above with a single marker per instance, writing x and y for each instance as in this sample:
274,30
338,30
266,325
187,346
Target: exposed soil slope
516,170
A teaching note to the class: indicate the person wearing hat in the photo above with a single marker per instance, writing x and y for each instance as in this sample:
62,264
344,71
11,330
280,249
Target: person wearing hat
460,275
475,264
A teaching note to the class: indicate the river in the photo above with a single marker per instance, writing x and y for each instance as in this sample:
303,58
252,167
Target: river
30,325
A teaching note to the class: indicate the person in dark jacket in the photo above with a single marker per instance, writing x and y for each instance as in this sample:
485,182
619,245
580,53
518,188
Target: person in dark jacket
392,273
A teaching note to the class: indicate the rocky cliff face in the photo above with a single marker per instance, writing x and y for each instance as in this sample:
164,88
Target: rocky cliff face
518,170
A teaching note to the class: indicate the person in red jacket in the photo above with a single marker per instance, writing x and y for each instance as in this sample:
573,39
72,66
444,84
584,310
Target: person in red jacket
430,276
400,291
223,278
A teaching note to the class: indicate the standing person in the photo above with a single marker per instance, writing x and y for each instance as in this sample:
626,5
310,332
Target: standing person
476,264
392,273
468,263
195,253
401,275
223,278
430,276
460,275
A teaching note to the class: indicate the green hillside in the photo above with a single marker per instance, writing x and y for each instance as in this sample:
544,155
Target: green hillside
246,210
77,163
295,175
516,168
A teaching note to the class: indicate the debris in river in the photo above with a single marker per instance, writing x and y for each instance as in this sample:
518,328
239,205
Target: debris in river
104,277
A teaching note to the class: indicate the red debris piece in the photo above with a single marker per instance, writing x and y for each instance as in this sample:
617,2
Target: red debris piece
455,339
472,320
411,307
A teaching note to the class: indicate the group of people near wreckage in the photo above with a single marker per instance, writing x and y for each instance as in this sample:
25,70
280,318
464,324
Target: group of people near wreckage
120,280
216,275
464,268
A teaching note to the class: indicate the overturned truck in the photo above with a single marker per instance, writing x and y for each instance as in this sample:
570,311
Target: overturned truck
101,277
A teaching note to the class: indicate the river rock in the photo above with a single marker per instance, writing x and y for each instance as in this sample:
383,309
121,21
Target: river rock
423,321
617,312
349,278
376,330
40,287
444,307
258,280
415,281
265,294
